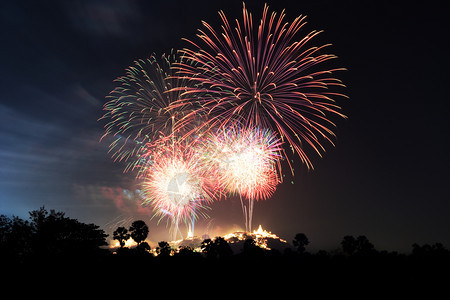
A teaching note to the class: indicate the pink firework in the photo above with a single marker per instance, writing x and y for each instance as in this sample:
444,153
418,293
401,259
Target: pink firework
247,161
269,76
177,186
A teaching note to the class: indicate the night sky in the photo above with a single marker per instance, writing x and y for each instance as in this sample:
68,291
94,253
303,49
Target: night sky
387,178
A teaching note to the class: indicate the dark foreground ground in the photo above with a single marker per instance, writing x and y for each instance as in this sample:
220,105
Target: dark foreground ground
321,275
54,256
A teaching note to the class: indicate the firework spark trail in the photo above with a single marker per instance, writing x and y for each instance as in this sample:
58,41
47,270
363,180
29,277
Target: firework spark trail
138,111
270,77
247,162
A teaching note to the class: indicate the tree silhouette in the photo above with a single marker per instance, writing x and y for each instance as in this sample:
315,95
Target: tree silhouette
426,250
164,249
364,247
300,241
143,247
357,246
219,248
49,234
251,249
139,231
185,251
121,234
55,233
15,237
222,248
349,245
208,248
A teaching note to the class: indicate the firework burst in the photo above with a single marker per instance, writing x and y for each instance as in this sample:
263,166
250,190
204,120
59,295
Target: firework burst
268,76
176,185
216,119
138,110
247,162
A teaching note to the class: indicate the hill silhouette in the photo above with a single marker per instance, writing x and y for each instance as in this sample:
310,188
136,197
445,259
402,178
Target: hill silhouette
51,242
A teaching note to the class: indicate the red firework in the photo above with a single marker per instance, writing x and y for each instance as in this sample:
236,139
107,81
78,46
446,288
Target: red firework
269,76
177,185
246,160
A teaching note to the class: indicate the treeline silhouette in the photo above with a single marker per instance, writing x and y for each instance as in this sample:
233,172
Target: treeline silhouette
49,239
49,236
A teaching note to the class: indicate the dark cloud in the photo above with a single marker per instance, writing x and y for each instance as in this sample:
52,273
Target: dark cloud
103,19
126,202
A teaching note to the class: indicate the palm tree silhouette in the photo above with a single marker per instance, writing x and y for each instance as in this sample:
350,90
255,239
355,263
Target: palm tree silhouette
139,231
121,234
300,241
